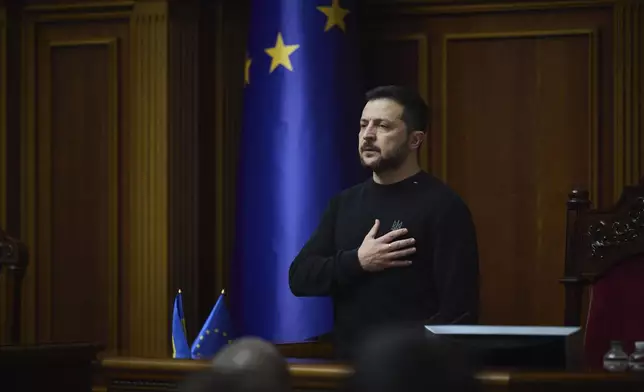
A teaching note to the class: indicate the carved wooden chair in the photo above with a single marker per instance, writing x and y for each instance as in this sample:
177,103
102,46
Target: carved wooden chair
13,263
605,253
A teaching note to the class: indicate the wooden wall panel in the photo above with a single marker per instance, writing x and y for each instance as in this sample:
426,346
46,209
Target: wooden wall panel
78,190
3,116
528,143
9,126
629,94
76,113
147,207
130,122
409,72
522,104
413,71
111,172
10,119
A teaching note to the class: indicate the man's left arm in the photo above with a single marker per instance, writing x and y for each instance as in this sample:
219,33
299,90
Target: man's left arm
456,266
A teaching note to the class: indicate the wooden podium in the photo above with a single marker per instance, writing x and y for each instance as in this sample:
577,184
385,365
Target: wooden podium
75,368
157,375
312,370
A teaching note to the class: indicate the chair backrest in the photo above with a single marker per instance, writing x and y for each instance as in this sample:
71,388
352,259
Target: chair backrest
605,252
13,264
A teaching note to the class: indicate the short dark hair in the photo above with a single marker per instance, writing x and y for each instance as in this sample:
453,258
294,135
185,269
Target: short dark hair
415,110
408,358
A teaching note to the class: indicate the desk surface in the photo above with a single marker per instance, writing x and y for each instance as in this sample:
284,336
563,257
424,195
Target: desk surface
326,375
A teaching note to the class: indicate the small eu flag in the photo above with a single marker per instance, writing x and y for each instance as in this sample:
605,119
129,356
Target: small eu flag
216,332
302,103
180,348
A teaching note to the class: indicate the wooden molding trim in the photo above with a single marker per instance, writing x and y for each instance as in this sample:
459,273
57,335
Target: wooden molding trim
593,65
146,251
80,7
628,95
420,8
80,11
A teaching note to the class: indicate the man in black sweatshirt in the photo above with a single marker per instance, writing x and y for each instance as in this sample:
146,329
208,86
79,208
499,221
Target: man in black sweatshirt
398,248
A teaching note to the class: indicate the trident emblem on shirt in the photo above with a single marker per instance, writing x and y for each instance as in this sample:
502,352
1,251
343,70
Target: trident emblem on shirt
396,225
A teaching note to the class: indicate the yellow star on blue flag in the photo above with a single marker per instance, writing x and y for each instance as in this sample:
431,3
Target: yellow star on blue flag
216,332
302,103
280,54
335,15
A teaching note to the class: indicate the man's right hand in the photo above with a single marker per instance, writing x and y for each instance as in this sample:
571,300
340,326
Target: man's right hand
376,254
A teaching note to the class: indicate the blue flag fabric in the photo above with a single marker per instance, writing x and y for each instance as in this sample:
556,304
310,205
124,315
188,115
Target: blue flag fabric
216,332
302,103
180,348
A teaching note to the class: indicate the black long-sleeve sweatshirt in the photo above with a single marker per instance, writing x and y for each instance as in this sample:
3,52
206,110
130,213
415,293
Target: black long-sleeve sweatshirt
441,286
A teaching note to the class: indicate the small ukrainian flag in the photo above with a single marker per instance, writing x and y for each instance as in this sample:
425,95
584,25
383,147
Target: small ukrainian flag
216,332
180,349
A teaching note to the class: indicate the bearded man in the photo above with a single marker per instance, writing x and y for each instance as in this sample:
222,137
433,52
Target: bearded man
399,248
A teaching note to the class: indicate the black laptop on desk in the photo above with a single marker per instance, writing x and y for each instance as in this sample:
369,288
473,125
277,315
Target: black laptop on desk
516,347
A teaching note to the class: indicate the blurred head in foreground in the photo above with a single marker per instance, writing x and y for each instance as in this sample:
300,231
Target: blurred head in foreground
247,365
408,359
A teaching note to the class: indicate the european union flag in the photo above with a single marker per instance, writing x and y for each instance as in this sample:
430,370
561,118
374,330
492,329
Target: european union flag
180,348
302,103
216,332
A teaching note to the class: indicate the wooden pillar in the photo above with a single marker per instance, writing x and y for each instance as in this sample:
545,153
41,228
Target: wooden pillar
629,94
161,251
146,250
